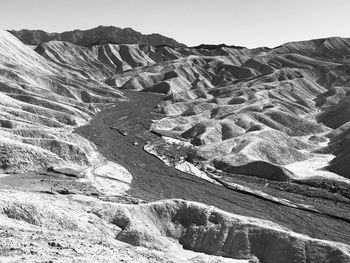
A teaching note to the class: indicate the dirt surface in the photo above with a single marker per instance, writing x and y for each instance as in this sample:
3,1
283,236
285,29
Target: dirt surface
121,132
51,183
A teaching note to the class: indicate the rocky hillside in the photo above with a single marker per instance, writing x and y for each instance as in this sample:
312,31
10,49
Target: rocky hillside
118,146
95,36
234,104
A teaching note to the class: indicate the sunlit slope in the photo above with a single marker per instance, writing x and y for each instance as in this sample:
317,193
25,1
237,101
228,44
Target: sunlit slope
40,104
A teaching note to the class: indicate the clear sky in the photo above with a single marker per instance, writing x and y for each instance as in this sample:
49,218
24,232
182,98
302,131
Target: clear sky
249,23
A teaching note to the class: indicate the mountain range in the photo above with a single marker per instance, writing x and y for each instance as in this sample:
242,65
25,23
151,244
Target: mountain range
122,147
96,36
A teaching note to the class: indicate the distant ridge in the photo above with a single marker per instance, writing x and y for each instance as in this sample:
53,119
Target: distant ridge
211,46
96,36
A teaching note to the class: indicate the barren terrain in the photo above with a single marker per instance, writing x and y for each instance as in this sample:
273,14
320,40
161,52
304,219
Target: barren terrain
123,147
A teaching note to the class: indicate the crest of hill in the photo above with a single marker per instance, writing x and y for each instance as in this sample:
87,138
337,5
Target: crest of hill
95,36
212,46
333,47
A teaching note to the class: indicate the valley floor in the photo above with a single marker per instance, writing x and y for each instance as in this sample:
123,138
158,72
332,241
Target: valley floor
327,217
71,220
